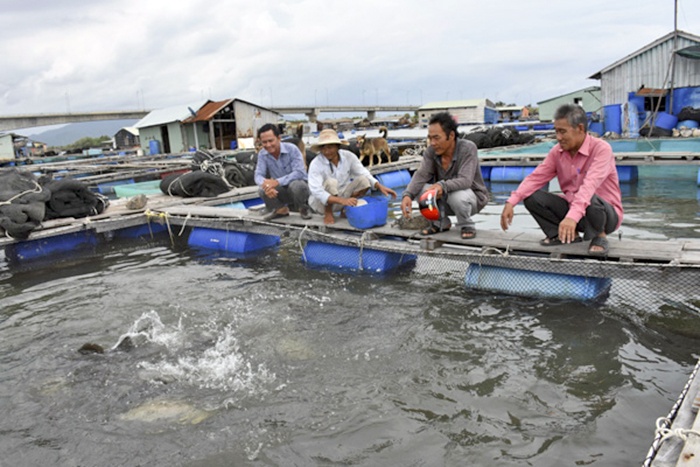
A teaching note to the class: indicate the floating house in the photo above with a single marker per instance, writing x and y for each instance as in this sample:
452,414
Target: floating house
588,98
13,146
161,131
127,137
226,124
661,77
466,112
511,113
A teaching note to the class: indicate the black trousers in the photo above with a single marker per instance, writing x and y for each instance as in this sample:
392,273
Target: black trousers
549,210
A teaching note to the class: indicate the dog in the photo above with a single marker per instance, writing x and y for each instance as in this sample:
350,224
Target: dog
298,141
372,148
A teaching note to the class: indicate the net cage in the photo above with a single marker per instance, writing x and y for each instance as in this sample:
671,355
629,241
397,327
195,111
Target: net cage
488,270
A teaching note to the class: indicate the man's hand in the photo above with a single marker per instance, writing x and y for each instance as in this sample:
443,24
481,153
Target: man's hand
438,187
406,205
347,201
386,191
506,216
567,230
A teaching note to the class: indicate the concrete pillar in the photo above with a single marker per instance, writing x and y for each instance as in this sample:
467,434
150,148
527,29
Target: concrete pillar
312,115
371,114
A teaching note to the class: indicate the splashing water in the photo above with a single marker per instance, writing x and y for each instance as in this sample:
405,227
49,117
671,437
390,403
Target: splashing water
220,366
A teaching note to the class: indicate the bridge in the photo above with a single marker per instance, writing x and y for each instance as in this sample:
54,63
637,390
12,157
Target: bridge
312,111
14,122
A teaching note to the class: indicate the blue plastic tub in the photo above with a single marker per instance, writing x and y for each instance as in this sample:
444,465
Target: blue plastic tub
665,121
628,173
252,202
536,284
372,214
41,248
230,241
394,179
347,258
486,172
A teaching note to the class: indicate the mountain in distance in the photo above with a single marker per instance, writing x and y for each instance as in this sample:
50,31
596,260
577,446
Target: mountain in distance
72,132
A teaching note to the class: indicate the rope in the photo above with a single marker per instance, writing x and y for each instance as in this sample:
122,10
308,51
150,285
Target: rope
664,423
163,218
301,246
37,189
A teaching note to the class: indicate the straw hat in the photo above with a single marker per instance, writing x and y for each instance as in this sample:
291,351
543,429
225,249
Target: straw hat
327,136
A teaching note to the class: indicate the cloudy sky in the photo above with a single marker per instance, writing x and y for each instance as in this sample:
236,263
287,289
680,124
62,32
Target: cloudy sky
73,55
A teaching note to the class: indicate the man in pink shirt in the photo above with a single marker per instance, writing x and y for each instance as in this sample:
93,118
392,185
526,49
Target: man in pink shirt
590,201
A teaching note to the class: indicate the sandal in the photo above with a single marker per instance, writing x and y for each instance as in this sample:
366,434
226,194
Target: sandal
599,242
433,229
468,234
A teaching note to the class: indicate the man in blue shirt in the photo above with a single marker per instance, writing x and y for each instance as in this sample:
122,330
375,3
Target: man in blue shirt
281,175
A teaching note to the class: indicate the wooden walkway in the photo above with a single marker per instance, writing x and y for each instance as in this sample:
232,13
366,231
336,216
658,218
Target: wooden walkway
673,252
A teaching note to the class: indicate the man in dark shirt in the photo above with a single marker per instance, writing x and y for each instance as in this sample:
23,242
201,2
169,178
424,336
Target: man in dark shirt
451,167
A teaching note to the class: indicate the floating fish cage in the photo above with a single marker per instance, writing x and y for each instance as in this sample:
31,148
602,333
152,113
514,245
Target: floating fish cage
536,283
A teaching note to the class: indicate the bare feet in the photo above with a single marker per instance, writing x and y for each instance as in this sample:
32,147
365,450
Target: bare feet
328,216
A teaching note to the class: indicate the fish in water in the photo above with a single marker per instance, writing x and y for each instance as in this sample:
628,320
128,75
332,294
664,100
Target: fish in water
124,345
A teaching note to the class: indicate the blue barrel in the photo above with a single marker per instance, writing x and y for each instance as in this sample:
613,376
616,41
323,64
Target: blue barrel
535,283
596,127
154,146
349,258
230,241
687,124
40,248
144,231
486,172
234,144
612,118
510,173
628,173
665,120
394,179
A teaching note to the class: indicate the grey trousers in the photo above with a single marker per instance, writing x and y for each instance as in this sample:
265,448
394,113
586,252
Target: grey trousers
294,195
461,204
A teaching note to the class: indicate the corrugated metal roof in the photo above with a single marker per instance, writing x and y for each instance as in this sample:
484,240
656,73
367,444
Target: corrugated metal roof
661,40
167,115
207,111
455,104
131,129
588,89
